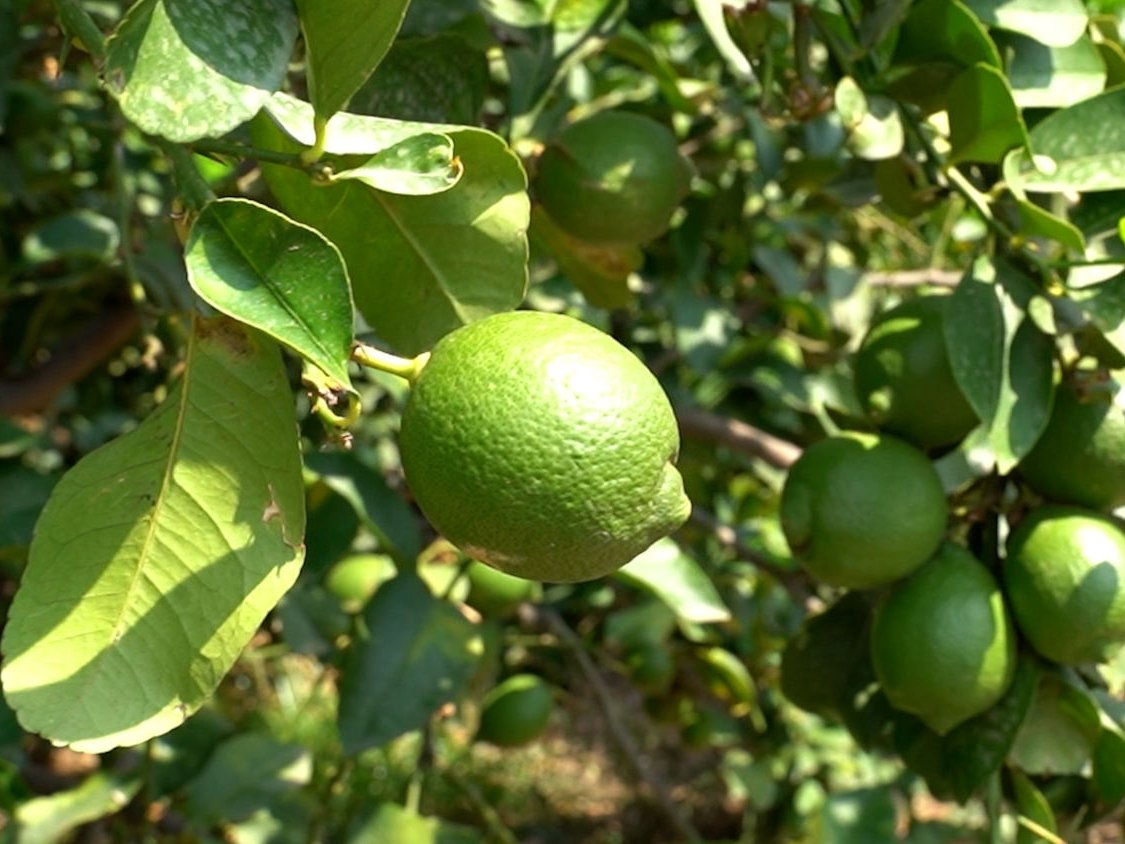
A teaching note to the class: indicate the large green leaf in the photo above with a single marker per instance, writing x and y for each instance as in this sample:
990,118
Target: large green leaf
601,272
258,266
1054,22
984,122
1052,77
1001,360
189,69
1104,304
945,31
1060,731
1079,148
414,653
678,580
420,266
345,40
158,555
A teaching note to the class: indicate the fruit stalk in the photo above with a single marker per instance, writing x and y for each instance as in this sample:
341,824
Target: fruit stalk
408,368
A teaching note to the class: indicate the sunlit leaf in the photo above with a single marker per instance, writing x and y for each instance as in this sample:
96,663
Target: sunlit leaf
678,580
1054,22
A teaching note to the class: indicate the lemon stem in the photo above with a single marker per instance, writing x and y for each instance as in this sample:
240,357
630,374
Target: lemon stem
408,368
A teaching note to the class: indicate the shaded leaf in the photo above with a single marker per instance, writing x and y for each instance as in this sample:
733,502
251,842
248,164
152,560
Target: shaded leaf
178,74
1104,304
244,774
945,30
1109,765
601,273
131,611
345,40
23,492
1052,77
378,506
391,822
1079,148
413,654
1060,730
285,279
863,816
1002,362
1034,806
984,122
81,233
679,581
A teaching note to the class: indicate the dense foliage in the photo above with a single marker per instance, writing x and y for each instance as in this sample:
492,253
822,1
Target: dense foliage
222,224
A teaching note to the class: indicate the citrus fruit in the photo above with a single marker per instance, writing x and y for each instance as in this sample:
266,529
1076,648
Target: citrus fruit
543,447
495,593
1065,578
354,579
903,378
861,510
516,711
613,179
942,643
1080,456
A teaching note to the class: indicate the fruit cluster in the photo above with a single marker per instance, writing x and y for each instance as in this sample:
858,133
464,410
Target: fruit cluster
945,614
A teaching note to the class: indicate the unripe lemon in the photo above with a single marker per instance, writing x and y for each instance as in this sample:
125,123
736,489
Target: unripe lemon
613,179
861,510
1065,578
904,380
1080,456
495,593
516,712
543,447
942,643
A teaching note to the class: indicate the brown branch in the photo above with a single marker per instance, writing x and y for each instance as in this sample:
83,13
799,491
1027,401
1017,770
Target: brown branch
73,359
546,618
702,425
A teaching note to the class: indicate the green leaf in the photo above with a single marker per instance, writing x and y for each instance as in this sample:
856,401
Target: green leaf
1032,221
1104,304
1052,77
420,266
244,774
1109,765
413,654
159,554
418,166
285,279
391,822
345,40
384,512
49,820
1060,731
190,69
1002,362
1034,806
1079,148
667,572
863,816
984,122
945,31
959,763
711,16
23,492
439,79
1054,22
81,233
601,273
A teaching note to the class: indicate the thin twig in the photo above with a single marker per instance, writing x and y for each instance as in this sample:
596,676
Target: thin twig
913,278
738,435
544,617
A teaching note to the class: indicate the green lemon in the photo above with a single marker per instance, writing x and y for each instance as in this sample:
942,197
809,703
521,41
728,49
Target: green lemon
516,712
861,510
1080,456
942,644
613,179
542,447
495,593
354,579
1065,578
903,378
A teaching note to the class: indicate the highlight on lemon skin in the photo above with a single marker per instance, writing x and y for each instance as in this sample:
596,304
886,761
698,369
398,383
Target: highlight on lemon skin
542,447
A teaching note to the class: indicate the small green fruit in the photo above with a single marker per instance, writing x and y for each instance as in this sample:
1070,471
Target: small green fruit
516,712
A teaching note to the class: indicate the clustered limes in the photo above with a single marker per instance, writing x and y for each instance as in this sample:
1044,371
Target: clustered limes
866,511
543,447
